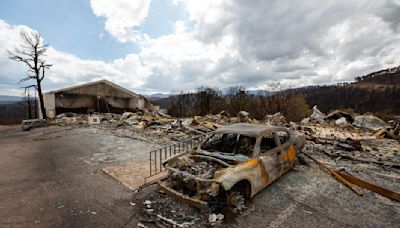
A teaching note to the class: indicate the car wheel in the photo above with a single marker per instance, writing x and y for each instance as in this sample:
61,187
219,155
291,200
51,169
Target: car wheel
236,201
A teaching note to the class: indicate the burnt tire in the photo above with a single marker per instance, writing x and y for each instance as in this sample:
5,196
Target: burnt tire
235,201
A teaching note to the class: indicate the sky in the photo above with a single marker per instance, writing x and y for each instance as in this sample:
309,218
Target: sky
153,46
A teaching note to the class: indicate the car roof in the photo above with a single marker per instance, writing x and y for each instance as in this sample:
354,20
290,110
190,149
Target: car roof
251,130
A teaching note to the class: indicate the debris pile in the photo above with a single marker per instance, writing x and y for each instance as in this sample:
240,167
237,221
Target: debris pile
158,126
370,122
316,117
164,211
349,149
277,119
363,146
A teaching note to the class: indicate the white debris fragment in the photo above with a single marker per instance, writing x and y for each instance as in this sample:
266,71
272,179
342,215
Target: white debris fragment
126,115
341,122
220,216
370,122
141,225
146,202
317,115
212,218
132,204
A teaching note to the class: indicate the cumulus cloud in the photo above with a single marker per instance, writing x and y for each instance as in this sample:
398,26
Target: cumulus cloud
68,69
226,43
301,43
122,16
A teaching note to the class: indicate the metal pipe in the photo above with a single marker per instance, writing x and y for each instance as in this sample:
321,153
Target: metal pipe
333,173
160,152
150,162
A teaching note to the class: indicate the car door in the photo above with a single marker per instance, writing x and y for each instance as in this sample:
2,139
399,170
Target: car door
271,155
287,147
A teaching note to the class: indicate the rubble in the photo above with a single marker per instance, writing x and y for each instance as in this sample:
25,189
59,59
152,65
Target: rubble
213,218
277,119
332,139
338,114
244,117
341,122
370,122
316,117
157,126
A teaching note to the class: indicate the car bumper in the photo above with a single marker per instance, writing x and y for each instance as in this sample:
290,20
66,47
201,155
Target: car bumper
181,196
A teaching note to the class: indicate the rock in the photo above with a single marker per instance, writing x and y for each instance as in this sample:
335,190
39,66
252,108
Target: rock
341,122
146,202
212,218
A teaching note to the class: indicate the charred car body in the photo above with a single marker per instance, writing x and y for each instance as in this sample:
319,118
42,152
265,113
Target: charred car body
237,160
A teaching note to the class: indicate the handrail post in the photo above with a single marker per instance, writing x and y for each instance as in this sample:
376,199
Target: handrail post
150,162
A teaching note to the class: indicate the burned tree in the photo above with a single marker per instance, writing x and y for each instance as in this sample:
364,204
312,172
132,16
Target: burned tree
28,100
32,53
237,99
206,99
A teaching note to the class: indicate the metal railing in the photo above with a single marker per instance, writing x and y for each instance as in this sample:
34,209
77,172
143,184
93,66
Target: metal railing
157,156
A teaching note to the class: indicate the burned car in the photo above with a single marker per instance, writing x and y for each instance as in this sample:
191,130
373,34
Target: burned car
33,123
236,161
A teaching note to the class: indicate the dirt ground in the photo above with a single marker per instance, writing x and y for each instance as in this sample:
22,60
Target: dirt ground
51,177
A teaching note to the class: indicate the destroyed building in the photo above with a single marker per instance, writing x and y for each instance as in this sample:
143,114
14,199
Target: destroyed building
100,96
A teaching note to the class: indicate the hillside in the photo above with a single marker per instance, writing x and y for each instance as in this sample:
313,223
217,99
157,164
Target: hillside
4,99
377,92
390,76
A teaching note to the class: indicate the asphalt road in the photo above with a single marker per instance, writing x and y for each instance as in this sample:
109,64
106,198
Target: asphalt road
52,180
51,177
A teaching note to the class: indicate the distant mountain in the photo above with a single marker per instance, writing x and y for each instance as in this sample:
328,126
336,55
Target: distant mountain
390,76
4,99
377,92
157,96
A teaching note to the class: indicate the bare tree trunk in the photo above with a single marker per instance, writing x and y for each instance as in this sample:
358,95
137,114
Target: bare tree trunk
36,106
29,107
42,108
32,53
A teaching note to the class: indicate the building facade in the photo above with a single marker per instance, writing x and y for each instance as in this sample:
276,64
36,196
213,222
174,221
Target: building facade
100,96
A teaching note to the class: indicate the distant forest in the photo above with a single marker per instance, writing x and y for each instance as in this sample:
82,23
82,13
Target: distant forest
377,92
12,113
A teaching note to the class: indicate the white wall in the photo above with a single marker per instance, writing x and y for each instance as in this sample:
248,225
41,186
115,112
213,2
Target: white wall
49,104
